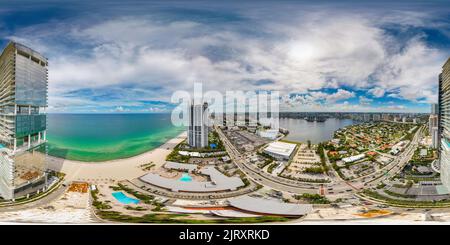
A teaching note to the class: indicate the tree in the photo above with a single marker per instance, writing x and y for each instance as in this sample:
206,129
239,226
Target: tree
309,144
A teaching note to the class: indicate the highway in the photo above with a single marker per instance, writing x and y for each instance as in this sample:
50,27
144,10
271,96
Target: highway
337,187
258,176
401,160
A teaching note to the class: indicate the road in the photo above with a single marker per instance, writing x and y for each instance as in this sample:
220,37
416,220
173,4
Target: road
337,187
262,178
375,178
401,160
46,200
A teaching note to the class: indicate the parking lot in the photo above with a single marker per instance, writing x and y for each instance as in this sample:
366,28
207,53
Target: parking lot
244,140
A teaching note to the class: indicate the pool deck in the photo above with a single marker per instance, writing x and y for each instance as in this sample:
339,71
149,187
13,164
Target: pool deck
185,177
219,182
124,199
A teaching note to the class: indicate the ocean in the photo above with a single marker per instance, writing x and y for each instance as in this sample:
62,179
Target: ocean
101,137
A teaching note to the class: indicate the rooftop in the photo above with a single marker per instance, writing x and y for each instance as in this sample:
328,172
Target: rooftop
180,166
219,182
281,148
353,158
266,206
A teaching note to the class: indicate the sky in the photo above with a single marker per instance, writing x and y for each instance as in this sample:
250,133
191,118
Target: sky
131,56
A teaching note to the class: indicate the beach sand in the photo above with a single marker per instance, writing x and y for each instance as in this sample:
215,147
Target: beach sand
113,170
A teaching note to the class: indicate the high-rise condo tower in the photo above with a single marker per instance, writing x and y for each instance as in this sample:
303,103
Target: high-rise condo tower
433,125
198,126
23,99
444,123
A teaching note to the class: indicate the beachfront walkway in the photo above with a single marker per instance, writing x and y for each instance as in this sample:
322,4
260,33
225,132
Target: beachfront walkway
114,170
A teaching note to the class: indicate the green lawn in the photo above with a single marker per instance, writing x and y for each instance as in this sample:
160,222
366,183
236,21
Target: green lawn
178,219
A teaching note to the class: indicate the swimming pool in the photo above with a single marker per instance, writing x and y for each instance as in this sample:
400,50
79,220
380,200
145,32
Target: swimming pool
119,196
185,177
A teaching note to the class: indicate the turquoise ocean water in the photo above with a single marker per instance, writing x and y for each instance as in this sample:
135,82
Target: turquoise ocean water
101,137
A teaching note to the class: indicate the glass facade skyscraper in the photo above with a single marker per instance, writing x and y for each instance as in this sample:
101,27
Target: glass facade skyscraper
23,99
198,128
444,124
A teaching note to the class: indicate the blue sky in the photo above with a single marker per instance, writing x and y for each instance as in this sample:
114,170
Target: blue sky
130,56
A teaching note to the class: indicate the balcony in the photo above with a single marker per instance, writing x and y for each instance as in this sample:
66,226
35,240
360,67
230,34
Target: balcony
25,147
446,144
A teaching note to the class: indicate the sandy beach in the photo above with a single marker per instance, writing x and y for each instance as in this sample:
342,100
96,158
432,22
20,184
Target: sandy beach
114,170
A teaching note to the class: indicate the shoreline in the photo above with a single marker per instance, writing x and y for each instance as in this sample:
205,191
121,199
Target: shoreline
116,159
116,169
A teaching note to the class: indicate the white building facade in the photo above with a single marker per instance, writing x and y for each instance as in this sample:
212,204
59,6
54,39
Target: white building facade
198,117
444,124
280,150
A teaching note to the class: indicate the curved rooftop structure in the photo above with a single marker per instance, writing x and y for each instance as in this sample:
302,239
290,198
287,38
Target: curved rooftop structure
269,207
180,166
219,182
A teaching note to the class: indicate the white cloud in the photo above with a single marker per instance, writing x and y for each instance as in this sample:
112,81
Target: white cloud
396,107
365,101
121,109
315,100
377,92
341,94
314,51
413,72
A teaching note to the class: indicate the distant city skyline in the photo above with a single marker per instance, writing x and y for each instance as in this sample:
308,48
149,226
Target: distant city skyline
326,57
